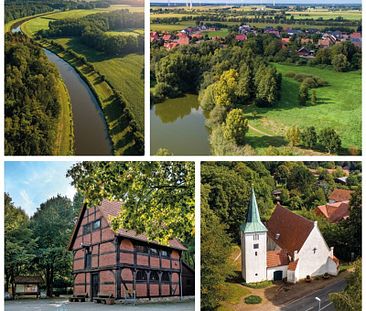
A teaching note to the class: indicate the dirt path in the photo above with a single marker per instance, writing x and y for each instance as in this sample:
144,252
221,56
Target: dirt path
259,131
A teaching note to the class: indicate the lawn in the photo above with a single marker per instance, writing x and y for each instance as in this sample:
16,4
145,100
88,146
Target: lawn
339,107
326,14
219,33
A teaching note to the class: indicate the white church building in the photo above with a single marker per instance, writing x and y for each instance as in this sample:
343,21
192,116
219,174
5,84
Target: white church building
290,247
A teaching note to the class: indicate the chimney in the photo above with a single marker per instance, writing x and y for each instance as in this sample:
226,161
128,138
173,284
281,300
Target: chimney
331,251
295,255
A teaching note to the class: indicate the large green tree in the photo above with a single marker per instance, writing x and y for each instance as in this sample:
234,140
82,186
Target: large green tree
158,197
19,242
52,225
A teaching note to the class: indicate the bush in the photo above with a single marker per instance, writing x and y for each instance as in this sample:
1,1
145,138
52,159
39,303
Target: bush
253,300
263,284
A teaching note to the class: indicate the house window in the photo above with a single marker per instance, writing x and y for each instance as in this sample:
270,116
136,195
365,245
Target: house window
87,259
141,249
141,275
96,224
154,277
164,253
165,277
256,237
86,229
154,252
255,246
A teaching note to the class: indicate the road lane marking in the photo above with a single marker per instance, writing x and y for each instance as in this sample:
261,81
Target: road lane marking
309,309
327,305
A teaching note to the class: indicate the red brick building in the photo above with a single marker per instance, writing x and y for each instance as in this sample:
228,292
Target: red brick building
117,263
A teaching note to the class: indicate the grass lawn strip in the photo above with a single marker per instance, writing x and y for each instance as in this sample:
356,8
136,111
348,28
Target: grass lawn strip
64,144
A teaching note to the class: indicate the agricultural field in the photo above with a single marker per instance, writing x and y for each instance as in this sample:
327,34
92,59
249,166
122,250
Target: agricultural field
339,107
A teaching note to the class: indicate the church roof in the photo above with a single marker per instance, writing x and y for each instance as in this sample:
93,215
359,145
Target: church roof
277,258
253,221
288,230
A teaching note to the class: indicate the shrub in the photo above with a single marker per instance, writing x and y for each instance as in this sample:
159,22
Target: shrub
253,300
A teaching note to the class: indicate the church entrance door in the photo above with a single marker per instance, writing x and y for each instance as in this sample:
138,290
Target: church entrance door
277,276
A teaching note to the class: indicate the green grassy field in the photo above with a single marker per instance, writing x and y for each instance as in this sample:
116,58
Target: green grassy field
325,14
127,32
339,107
64,144
219,33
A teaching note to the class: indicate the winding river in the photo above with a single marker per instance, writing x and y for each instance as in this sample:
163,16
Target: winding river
90,130
179,125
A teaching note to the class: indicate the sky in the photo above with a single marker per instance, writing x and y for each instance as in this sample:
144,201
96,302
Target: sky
266,1
31,183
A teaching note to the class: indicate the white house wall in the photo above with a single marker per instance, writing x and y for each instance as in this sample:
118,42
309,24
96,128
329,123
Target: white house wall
311,263
271,271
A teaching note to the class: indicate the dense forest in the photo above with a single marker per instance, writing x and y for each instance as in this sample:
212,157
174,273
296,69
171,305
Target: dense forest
92,30
225,197
32,102
15,9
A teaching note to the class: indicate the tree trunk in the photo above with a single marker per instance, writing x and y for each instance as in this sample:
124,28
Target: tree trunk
48,283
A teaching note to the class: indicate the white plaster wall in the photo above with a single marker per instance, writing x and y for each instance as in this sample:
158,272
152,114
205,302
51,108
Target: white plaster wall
254,266
311,263
332,267
270,272
291,276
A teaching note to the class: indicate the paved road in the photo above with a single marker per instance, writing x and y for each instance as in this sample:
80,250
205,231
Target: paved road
64,305
308,303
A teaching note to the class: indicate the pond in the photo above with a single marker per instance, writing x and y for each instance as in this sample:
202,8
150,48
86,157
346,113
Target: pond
179,125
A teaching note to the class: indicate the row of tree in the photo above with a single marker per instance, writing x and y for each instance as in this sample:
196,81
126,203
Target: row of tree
18,9
328,139
92,31
32,101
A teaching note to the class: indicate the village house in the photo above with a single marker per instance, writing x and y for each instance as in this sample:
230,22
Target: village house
304,52
124,262
337,208
154,36
289,247
241,37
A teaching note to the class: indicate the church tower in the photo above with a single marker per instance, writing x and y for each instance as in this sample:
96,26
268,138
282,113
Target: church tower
253,235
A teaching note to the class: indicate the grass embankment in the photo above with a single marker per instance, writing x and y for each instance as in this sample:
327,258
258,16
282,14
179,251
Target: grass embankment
339,107
117,119
64,144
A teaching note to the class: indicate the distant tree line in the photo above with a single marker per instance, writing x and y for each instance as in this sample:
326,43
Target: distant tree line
23,8
32,103
91,30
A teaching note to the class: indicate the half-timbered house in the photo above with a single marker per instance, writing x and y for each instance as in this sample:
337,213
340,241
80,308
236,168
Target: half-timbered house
123,262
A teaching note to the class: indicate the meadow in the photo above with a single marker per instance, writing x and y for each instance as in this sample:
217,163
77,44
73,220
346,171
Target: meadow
339,107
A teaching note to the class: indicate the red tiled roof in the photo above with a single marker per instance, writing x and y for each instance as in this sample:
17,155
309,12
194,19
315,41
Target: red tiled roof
293,229
334,212
111,210
339,195
356,35
277,258
292,265
285,40
241,37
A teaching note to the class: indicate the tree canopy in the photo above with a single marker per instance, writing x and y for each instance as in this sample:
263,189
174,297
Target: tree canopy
157,198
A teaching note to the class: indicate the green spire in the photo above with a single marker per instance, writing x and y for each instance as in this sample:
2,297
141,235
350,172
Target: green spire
253,221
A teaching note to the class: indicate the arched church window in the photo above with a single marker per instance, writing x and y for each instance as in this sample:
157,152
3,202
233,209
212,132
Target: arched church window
256,237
